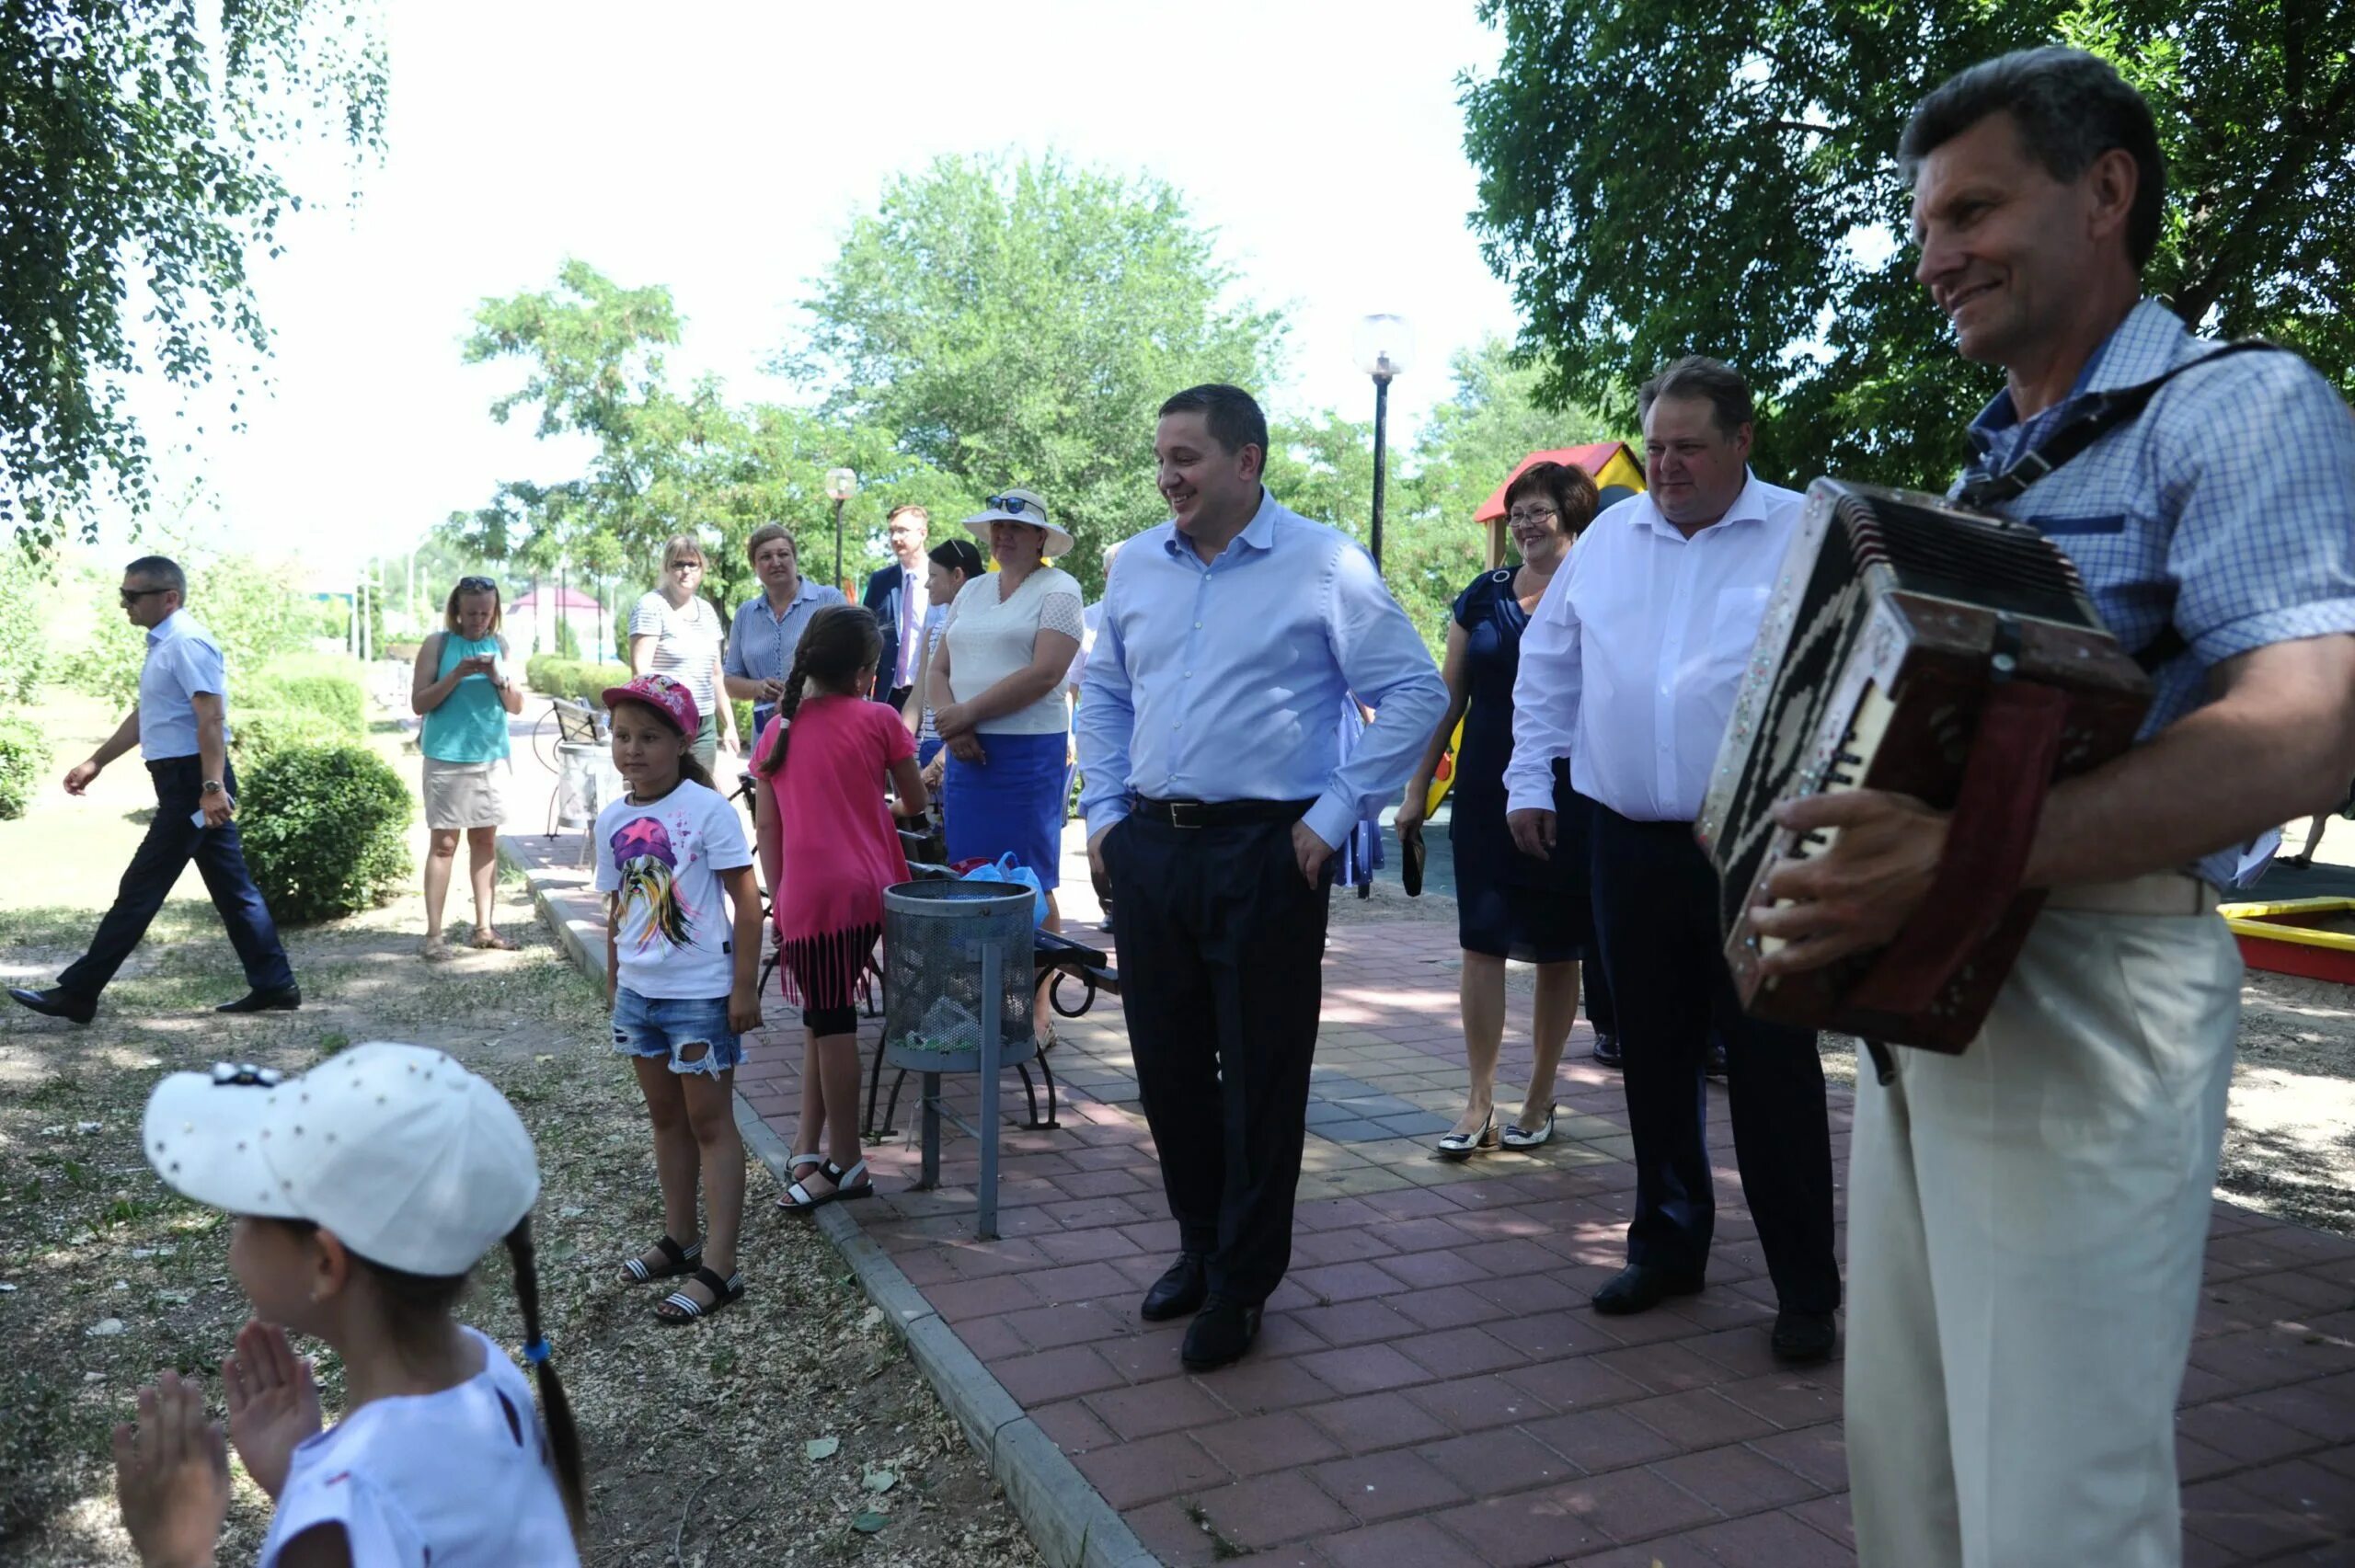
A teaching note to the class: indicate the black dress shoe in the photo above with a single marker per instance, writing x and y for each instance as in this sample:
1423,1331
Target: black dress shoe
286,999
1607,1051
1179,1291
55,1003
1221,1332
1637,1288
1802,1338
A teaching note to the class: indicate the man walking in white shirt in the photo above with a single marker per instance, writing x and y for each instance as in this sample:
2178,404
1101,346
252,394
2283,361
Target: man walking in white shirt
1630,669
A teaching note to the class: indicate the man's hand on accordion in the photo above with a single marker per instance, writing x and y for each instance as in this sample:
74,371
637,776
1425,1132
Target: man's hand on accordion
1854,892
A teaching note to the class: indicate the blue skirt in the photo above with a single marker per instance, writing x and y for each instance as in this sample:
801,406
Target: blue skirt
1011,804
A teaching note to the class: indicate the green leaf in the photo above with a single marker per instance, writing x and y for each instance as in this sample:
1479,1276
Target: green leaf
869,1523
820,1447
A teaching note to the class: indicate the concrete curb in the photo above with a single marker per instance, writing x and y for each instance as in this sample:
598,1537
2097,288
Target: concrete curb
1069,1520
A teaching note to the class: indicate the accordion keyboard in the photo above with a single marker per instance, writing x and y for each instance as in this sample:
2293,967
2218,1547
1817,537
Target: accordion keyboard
1847,771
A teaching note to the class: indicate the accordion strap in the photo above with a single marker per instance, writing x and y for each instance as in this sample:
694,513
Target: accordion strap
1995,815
2102,413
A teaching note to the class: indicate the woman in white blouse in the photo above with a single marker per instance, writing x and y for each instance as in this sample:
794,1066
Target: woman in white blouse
997,694
676,631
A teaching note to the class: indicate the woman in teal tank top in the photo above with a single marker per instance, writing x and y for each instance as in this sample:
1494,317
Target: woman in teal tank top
465,694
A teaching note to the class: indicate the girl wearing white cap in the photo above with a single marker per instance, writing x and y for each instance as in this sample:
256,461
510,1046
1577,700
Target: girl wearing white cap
365,1191
997,697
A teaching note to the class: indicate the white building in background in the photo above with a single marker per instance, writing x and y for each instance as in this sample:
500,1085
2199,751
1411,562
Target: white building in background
531,621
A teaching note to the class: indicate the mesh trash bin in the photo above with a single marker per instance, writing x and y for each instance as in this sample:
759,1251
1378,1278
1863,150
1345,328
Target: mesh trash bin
957,975
933,935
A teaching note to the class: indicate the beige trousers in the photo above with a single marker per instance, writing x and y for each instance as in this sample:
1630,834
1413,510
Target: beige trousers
2026,1222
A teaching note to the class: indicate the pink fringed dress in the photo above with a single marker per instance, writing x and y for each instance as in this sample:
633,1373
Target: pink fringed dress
841,849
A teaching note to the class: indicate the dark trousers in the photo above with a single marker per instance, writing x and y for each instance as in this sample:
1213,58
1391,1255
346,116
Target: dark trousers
1222,954
1594,988
896,696
1656,909
171,842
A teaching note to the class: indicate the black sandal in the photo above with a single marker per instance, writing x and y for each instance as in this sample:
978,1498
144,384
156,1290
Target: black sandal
677,1260
681,1307
799,1199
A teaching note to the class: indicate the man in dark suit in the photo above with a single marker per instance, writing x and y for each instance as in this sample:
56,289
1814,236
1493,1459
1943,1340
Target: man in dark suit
897,598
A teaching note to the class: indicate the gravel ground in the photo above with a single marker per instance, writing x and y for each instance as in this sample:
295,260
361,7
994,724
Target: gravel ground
697,1438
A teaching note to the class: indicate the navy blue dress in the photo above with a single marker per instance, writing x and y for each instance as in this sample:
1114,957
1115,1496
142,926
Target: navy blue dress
1507,904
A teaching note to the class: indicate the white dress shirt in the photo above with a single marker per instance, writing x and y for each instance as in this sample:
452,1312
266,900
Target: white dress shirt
1630,664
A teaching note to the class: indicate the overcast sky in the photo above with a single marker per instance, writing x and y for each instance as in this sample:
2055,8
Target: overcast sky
720,148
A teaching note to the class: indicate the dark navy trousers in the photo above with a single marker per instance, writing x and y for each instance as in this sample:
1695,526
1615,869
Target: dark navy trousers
1656,914
1222,954
172,842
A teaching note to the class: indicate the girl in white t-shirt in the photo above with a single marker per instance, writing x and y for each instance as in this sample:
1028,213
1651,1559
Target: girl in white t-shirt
681,981
365,1190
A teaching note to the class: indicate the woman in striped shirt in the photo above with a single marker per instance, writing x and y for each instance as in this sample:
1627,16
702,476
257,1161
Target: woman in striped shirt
677,632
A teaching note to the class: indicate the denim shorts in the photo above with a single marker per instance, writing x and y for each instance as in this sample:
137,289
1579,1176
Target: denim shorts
661,1026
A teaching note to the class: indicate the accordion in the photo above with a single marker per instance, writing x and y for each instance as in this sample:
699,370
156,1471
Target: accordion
1912,647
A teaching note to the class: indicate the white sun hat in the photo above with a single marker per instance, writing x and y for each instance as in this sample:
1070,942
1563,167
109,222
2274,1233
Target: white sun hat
1022,505
413,1162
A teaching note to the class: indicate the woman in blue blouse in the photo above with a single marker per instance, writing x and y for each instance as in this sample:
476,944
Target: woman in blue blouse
1509,905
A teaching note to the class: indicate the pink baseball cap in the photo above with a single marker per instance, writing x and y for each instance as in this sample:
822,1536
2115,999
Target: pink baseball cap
665,696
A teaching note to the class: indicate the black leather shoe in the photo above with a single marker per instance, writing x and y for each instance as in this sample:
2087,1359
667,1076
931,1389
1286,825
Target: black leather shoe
55,1003
1607,1051
1221,1332
1177,1292
284,1000
1637,1288
1803,1338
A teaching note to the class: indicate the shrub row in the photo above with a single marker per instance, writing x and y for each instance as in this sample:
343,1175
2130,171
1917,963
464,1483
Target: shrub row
554,677
297,700
24,757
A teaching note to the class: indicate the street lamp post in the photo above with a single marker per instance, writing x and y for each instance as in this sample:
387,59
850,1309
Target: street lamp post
842,484
1386,345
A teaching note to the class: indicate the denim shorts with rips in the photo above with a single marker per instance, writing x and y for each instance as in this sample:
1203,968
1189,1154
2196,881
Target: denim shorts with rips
663,1026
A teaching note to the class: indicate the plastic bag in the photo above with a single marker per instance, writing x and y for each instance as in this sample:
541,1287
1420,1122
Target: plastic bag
1006,868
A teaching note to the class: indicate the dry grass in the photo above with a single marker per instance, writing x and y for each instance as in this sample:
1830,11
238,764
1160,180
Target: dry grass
694,1436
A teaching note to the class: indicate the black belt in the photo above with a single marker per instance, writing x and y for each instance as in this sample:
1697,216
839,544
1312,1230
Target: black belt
1218,813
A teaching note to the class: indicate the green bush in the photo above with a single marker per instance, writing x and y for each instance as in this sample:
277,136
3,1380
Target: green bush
24,757
325,830
556,677
326,684
567,641
254,735
24,638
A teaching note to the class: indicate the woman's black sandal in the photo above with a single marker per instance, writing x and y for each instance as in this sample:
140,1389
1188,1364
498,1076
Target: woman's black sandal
677,1260
681,1307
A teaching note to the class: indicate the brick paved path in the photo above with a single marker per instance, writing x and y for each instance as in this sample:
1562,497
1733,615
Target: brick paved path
1430,1388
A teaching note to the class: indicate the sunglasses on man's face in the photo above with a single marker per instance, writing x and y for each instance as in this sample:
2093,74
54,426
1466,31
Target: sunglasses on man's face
1014,503
133,595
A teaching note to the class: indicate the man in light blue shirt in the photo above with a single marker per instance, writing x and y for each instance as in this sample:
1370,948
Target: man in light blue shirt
766,630
1209,735
181,726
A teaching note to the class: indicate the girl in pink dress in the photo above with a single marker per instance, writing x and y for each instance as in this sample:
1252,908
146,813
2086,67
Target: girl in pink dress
829,847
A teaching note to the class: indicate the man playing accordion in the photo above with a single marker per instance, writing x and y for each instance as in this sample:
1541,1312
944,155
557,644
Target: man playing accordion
2026,1219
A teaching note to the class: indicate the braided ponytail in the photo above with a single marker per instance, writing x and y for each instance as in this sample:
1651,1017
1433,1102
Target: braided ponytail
839,645
772,758
564,1439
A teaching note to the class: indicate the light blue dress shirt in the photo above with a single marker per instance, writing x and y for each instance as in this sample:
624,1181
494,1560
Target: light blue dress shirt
2222,510
182,659
1225,681
761,641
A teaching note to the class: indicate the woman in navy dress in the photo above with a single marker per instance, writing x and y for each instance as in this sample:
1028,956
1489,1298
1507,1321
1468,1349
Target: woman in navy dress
1509,905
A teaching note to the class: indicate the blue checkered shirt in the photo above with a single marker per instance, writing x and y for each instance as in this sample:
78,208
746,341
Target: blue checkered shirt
2227,508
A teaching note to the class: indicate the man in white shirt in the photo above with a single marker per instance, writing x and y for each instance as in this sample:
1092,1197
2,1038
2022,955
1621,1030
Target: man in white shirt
1630,669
